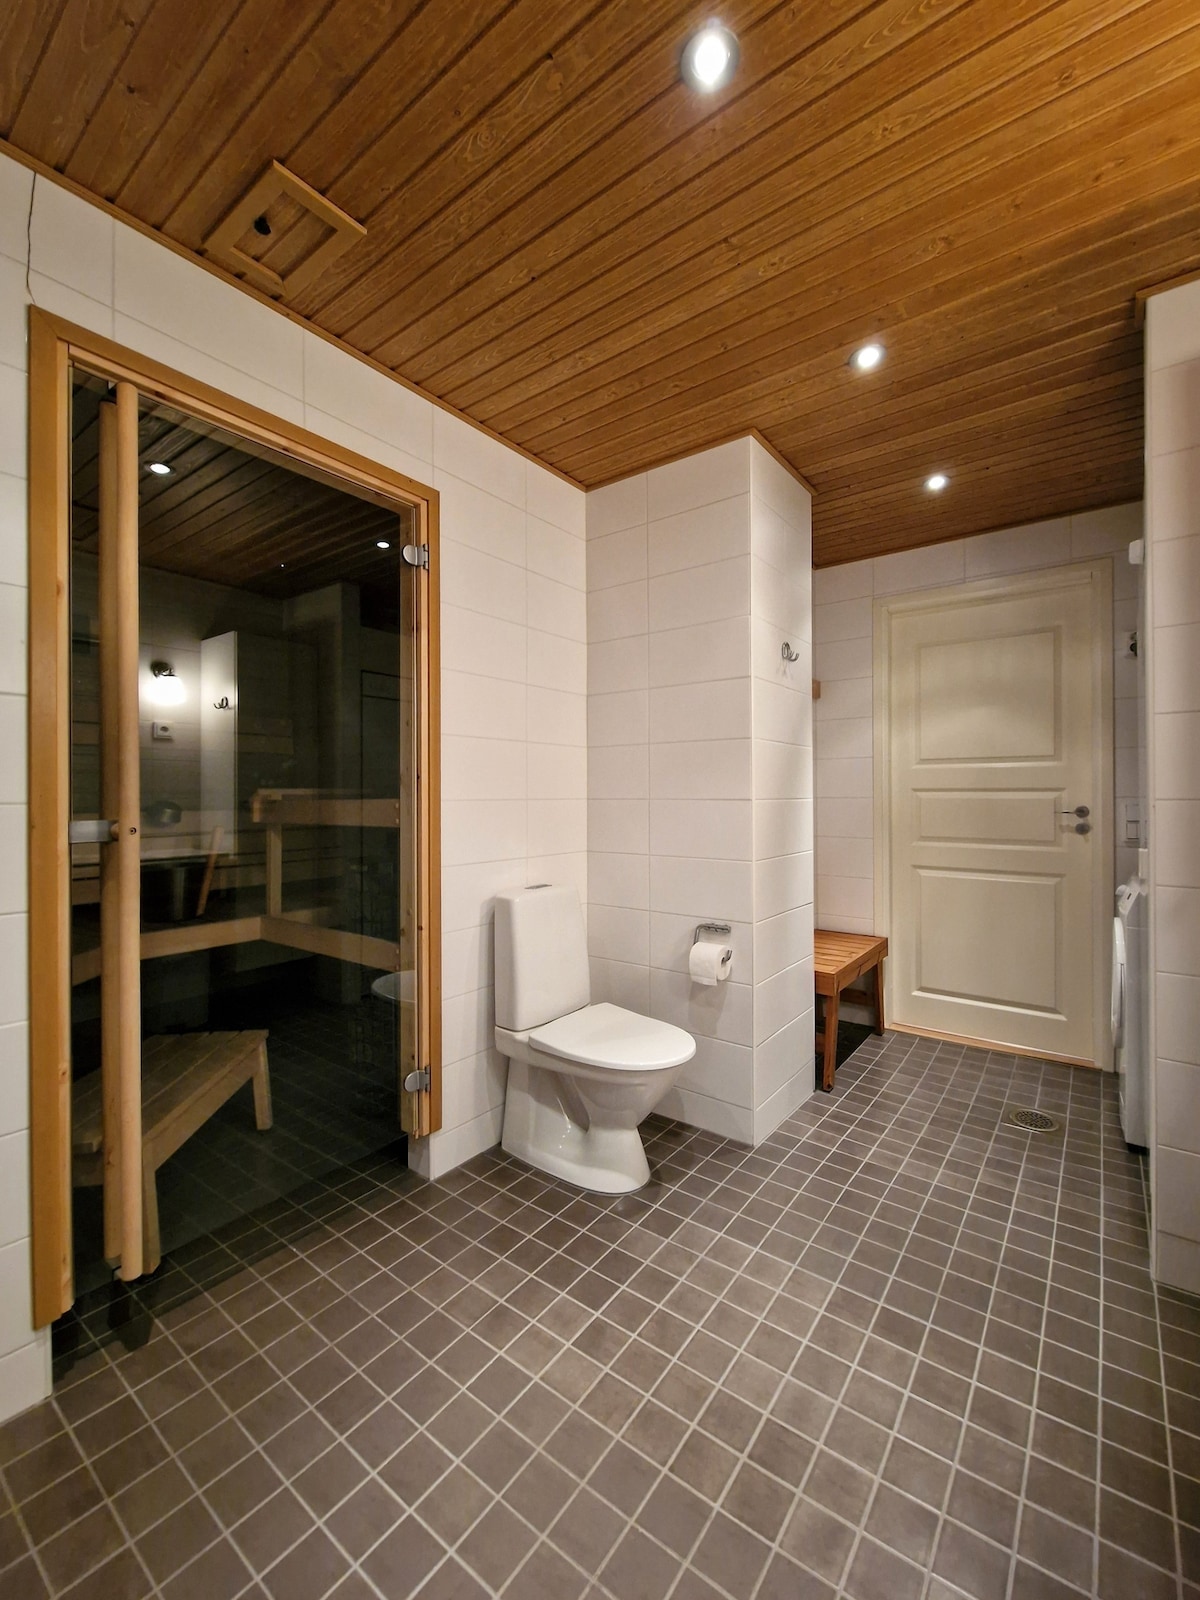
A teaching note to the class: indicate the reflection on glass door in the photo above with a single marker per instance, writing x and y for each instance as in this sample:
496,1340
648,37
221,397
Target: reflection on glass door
261,665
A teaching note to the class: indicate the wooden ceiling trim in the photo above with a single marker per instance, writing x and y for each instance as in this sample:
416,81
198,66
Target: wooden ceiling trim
1030,296
834,217
661,197
649,191
836,206
575,95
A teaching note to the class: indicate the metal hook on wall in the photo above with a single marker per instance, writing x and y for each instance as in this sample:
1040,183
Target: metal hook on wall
788,653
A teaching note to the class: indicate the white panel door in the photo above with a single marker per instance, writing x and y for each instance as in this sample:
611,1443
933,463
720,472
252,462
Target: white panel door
992,702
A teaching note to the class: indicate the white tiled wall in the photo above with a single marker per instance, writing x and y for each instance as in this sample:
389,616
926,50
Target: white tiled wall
843,663
781,614
1173,727
514,654
696,572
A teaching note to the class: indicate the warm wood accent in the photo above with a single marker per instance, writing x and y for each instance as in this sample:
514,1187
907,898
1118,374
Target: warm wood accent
297,930
309,808
992,1044
110,860
210,868
610,271
838,959
123,947
268,199
816,688
85,964
56,344
184,1078
49,812
335,942
229,507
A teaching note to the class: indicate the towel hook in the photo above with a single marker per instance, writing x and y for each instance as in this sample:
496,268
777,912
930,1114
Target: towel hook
788,653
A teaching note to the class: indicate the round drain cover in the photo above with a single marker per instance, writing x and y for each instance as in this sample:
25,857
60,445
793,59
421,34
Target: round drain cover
1033,1121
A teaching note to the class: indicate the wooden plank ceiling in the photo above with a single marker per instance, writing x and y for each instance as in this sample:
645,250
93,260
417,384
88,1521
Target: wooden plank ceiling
610,270
229,516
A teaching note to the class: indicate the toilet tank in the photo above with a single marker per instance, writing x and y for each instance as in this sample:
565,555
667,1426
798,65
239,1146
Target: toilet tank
541,956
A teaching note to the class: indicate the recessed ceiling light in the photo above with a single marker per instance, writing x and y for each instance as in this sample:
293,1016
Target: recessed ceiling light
160,469
382,544
710,58
867,357
936,482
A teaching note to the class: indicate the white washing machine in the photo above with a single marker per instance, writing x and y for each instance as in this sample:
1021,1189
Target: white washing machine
1128,1000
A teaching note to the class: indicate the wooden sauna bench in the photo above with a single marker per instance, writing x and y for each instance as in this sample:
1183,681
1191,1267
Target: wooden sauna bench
185,1078
840,958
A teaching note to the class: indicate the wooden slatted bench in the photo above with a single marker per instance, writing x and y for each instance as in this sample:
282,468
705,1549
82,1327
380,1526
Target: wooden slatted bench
185,1078
840,958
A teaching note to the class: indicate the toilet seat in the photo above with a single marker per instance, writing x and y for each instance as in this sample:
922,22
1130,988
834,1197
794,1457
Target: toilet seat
605,1035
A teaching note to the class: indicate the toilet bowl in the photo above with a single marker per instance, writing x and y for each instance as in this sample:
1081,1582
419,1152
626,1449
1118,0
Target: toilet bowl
581,1077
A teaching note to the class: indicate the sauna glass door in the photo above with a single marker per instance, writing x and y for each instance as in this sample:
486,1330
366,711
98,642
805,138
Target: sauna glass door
246,893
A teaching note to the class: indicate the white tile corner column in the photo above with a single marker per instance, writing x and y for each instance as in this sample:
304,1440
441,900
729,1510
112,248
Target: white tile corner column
1173,759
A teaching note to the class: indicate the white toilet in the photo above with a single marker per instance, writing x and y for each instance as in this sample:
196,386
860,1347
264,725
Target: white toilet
581,1077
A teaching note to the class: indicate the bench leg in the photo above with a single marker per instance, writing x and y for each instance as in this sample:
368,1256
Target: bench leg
879,997
151,1242
262,1091
831,1026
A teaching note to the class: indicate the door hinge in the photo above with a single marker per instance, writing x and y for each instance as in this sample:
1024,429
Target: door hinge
416,555
416,1082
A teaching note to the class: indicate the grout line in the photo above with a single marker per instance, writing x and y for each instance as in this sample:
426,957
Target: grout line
743,1174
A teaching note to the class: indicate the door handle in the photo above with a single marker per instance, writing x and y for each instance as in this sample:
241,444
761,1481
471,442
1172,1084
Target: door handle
1077,811
93,831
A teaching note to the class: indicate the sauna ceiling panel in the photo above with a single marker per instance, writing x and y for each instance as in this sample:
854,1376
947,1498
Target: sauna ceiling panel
574,248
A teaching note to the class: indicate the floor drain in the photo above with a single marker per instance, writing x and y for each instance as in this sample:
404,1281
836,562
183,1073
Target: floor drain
1033,1121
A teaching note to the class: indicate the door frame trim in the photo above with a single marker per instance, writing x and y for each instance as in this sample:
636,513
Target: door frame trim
1097,577
55,345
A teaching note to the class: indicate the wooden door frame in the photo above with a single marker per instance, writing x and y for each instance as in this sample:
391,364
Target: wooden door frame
1097,577
55,346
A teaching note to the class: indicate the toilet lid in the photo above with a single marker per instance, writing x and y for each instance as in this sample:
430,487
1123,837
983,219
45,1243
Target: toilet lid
609,1036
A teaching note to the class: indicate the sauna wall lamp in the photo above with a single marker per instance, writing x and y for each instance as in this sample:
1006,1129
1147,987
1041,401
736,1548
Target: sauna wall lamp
166,690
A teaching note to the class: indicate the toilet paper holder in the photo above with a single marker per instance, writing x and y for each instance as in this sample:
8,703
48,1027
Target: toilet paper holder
721,929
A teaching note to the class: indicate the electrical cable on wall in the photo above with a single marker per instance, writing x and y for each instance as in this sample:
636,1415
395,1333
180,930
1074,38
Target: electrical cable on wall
29,240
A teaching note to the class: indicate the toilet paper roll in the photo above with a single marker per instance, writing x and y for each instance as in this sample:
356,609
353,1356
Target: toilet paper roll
709,963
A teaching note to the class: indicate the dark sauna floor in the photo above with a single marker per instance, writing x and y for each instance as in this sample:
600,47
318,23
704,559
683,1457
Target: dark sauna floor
901,1350
333,1085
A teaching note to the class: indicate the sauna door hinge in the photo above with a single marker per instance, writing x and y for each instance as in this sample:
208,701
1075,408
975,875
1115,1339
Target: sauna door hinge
417,555
416,1082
